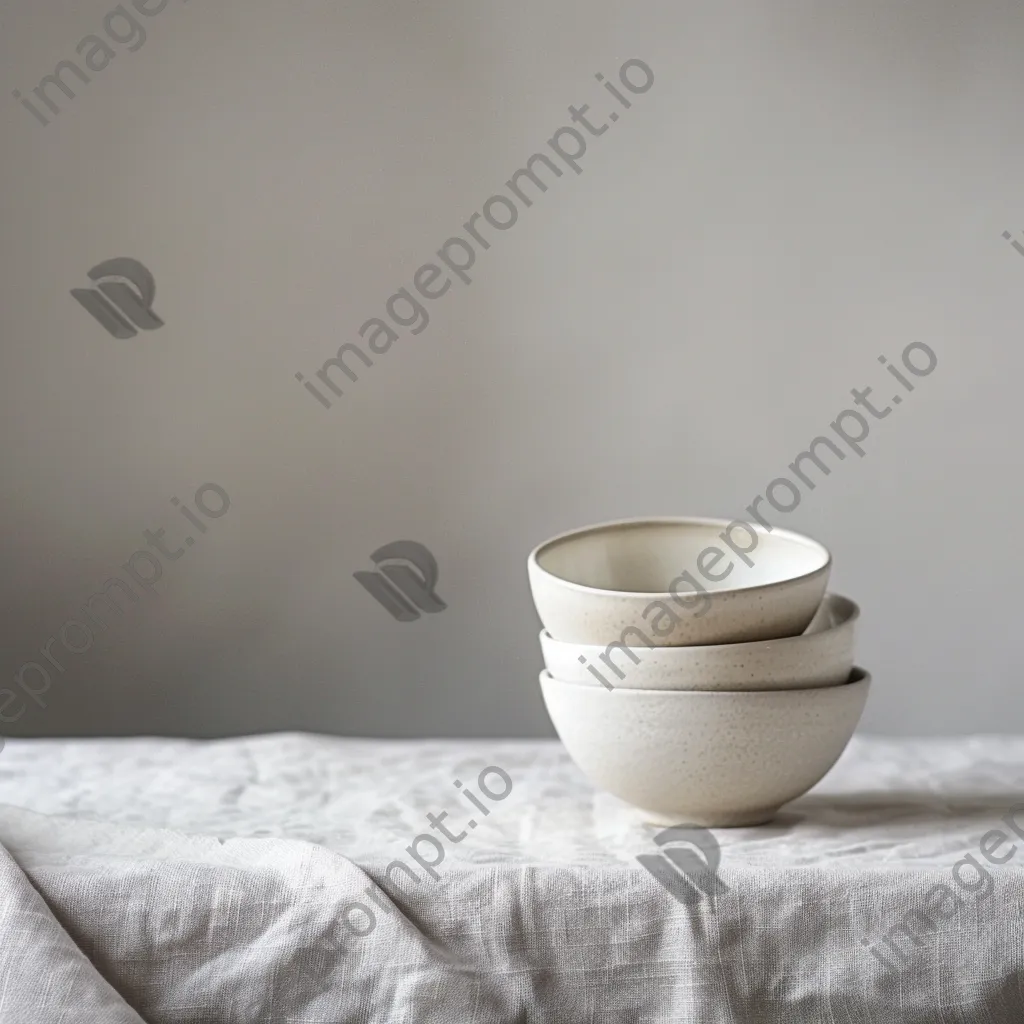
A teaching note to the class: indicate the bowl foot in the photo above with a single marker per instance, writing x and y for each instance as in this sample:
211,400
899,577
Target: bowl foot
739,819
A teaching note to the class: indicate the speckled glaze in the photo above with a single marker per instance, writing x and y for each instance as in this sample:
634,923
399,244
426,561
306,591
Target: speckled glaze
821,656
606,582
712,759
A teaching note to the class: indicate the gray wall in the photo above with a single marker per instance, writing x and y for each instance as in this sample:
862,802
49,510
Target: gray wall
805,187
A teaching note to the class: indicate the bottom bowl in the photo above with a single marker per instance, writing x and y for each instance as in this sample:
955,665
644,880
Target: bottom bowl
713,759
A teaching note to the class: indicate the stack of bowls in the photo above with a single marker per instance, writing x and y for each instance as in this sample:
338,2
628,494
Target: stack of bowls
697,668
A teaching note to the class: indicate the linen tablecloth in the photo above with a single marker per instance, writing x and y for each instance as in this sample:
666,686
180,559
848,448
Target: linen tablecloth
248,880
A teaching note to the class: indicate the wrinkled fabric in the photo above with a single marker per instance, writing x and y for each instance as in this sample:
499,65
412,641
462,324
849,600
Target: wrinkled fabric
208,882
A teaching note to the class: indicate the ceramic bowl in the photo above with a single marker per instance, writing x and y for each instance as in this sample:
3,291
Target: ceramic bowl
710,759
669,582
821,656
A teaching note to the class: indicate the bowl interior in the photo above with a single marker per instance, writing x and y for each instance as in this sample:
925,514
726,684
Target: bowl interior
645,557
833,612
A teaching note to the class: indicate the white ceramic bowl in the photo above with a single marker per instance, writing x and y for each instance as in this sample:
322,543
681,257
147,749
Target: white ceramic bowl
821,656
655,579
710,759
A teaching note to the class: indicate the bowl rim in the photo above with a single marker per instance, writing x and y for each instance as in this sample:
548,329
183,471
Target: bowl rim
848,623
859,677
613,524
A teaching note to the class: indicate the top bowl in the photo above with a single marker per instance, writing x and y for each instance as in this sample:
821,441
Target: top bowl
677,582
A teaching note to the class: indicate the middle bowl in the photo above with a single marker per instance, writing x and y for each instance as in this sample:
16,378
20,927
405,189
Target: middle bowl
673,582
821,656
